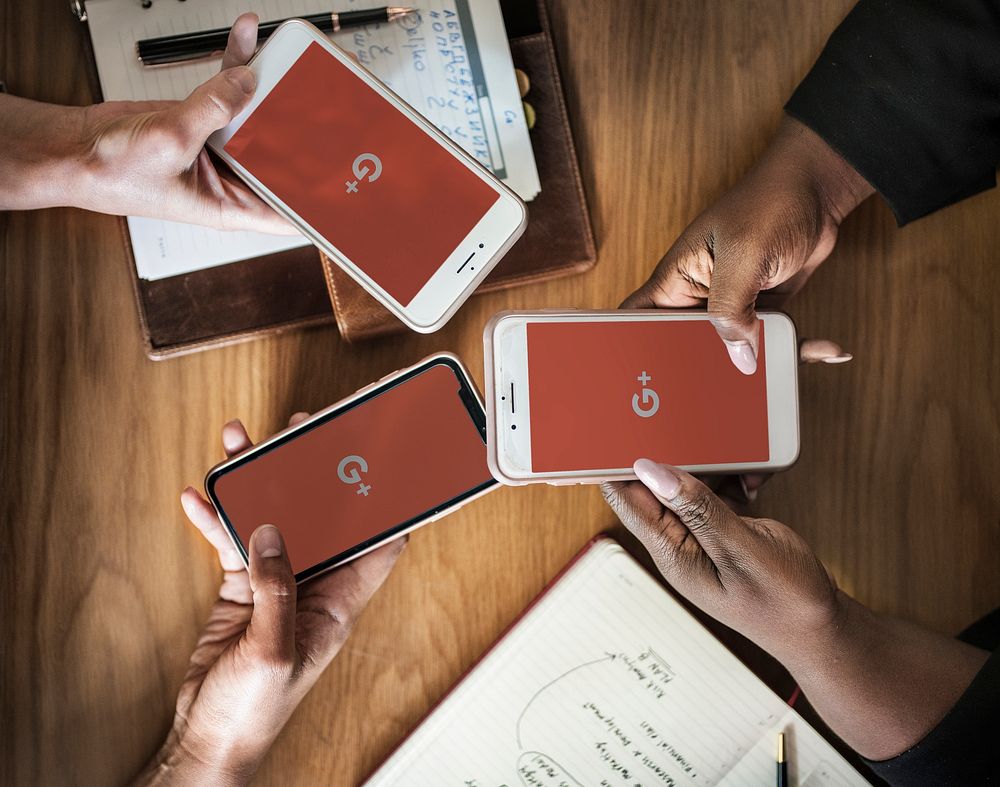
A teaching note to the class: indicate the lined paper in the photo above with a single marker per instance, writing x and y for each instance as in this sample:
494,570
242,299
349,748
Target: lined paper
609,681
451,62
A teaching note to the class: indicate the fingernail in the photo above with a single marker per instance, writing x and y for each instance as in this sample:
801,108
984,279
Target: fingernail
661,482
267,541
243,77
742,356
748,493
842,358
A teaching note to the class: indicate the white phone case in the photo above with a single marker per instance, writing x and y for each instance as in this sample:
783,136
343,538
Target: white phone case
323,244
491,415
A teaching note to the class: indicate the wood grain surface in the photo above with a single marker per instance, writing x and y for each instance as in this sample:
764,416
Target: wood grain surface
105,586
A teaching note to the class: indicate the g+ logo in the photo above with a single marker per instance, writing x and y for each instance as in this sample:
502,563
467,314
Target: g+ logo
361,171
650,402
349,471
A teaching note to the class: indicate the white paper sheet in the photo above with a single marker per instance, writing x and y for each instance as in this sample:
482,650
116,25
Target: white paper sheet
609,681
451,62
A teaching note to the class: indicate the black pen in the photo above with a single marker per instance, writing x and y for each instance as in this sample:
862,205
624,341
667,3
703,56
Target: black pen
208,43
782,763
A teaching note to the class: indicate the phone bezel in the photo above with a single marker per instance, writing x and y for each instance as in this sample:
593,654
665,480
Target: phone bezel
503,357
448,287
467,393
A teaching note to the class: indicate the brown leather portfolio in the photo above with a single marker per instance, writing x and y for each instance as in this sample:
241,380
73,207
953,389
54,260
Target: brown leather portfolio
558,241
292,289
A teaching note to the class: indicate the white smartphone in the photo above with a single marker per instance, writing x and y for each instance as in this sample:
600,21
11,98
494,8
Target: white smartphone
408,214
398,454
577,396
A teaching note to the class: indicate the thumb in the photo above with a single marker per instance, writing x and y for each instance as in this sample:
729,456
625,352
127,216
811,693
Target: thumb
242,41
707,518
210,107
271,632
732,296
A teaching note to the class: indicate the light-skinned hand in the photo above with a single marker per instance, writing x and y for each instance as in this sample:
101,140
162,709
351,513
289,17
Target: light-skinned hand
137,158
265,644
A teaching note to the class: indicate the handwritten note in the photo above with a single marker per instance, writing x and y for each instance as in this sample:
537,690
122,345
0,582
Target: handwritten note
608,681
451,61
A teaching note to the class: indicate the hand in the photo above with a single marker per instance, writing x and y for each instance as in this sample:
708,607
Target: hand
757,576
769,232
138,158
264,646
881,684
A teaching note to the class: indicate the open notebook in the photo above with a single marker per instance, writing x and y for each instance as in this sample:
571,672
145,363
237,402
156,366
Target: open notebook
451,62
607,680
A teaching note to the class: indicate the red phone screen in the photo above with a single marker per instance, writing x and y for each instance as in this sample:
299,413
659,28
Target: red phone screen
376,466
358,171
603,394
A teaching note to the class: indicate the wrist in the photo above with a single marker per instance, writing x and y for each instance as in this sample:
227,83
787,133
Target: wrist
820,647
181,760
839,186
43,162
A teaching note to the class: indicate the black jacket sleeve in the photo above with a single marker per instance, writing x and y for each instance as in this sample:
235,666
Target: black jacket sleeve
908,92
963,748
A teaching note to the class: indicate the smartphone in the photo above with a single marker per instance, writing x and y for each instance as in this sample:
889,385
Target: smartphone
577,396
414,219
396,455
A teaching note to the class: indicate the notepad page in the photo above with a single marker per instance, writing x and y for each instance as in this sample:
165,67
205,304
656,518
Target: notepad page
609,681
452,62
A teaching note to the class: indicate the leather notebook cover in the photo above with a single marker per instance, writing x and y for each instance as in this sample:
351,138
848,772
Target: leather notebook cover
230,303
558,241
292,289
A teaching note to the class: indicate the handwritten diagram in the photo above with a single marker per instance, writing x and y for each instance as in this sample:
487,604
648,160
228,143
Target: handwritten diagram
609,682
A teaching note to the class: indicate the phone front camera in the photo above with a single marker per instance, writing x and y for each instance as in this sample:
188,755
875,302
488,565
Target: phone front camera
513,426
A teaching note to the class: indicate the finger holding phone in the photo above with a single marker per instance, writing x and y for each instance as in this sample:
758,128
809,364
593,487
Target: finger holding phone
265,644
768,232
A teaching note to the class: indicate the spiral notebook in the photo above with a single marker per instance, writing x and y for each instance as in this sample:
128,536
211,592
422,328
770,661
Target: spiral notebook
607,680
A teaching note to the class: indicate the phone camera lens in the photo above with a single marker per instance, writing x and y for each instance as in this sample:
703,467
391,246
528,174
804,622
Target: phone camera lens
480,245
513,426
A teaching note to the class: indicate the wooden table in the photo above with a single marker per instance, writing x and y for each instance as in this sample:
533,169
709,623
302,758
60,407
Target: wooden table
105,586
